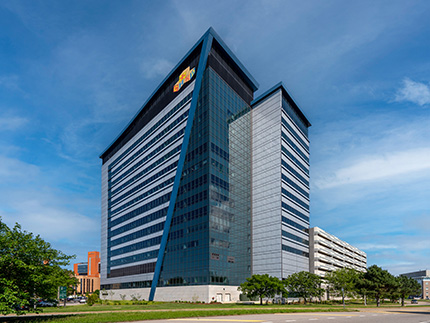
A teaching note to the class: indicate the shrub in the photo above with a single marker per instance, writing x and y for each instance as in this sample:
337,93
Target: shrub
93,299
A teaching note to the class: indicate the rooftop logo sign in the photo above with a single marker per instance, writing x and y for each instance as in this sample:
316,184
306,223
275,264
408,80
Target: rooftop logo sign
185,76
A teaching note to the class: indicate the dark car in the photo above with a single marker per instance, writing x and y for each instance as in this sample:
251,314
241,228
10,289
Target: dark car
45,304
414,301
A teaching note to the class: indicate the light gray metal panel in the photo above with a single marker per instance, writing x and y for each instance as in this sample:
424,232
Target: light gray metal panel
266,187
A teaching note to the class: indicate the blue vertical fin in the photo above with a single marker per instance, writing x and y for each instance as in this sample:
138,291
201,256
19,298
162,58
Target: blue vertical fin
206,47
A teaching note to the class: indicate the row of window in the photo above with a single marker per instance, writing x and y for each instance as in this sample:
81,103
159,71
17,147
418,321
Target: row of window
132,270
141,284
221,213
219,226
196,228
295,186
220,243
295,225
295,251
153,128
190,215
138,234
136,246
156,240
295,212
201,196
220,152
219,166
294,237
221,198
155,164
295,147
149,156
295,160
193,184
294,172
143,196
194,280
190,169
146,219
220,183
146,182
196,152
295,135
140,257
294,116
183,246
295,199
150,143
176,234
142,209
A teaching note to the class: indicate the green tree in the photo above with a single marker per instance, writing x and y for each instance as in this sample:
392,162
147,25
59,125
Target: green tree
93,299
29,268
380,281
342,281
262,286
304,284
363,286
407,287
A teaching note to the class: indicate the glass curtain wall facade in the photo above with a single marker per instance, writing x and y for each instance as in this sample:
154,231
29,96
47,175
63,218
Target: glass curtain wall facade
178,185
280,194
138,172
208,239
211,224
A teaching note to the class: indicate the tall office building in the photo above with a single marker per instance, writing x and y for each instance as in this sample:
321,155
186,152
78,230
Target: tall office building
280,185
178,184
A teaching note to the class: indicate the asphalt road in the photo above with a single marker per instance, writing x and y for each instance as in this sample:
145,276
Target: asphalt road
415,315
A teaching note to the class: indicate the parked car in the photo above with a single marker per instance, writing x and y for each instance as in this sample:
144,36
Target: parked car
414,301
45,304
83,300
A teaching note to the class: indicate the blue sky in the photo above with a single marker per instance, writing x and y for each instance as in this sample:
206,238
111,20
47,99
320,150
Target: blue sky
73,73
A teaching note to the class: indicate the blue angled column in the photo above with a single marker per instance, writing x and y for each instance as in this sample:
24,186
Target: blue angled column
207,44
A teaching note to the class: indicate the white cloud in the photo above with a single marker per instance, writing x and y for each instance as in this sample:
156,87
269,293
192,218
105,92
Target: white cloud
14,171
375,246
52,214
156,68
374,168
52,222
414,92
8,123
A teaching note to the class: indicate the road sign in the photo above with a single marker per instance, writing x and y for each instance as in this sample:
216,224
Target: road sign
63,292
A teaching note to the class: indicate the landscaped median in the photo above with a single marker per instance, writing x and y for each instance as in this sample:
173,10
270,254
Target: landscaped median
137,313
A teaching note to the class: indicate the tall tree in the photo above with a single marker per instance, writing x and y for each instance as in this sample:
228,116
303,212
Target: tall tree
262,286
29,268
363,287
380,281
407,287
342,281
304,284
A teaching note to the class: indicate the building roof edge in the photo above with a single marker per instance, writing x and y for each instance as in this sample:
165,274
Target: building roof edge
253,83
281,86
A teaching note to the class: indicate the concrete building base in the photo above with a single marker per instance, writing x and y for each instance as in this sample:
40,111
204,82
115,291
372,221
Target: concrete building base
204,293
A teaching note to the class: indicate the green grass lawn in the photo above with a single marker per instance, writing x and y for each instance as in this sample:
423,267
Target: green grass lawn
158,310
177,307
127,306
123,316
